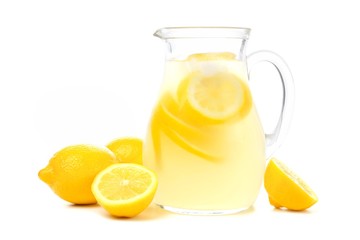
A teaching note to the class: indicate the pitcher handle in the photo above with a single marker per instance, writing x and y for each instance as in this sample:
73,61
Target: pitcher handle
275,138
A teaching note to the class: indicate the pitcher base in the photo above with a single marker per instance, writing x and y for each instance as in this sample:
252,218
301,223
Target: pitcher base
202,212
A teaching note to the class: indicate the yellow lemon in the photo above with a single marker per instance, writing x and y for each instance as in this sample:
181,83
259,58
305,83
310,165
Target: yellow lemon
71,171
127,150
125,189
286,189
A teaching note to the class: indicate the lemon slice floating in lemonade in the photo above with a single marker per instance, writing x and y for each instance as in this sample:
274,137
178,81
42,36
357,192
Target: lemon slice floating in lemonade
213,91
218,96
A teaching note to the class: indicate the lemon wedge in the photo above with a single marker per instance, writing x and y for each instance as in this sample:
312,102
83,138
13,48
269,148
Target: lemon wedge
286,189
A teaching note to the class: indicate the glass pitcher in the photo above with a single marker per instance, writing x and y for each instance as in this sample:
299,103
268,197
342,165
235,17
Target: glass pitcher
205,140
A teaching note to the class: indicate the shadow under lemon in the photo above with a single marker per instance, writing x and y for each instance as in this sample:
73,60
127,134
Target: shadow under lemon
152,212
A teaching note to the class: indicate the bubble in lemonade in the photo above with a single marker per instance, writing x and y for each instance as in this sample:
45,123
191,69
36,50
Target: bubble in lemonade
205,141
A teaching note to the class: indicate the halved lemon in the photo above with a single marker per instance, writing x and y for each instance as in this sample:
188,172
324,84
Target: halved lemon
125,189
218,96
286,189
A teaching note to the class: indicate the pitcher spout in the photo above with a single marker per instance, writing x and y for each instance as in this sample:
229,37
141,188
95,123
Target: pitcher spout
159,33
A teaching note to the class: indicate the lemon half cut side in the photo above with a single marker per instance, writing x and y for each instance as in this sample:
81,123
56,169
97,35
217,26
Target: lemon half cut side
125,189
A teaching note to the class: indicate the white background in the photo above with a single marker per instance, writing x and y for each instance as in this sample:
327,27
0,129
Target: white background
76,71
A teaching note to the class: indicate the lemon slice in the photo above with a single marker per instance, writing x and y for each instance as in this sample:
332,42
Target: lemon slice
125,189
218,96
286,189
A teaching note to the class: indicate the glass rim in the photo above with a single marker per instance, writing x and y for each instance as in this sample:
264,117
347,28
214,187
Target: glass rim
203,32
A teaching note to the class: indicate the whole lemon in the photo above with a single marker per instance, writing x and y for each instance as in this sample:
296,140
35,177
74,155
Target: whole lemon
71,171
127,149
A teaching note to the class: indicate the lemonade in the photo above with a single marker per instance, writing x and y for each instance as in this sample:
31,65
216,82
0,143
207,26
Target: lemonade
205,141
